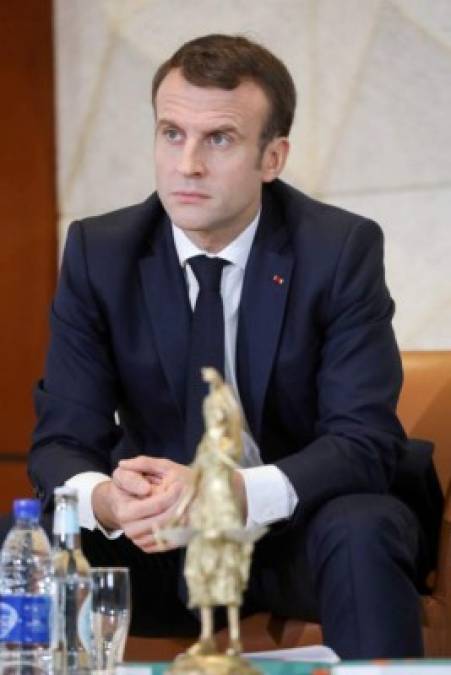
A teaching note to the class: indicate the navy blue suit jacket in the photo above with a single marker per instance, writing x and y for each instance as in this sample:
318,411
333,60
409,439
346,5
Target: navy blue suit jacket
317,363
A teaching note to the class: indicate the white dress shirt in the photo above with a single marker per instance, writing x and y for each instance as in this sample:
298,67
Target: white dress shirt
270,495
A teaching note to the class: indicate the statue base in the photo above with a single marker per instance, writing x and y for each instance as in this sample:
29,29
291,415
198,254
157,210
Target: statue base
211,664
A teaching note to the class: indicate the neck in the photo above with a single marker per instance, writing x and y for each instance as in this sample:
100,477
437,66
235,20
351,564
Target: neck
208,243
67,541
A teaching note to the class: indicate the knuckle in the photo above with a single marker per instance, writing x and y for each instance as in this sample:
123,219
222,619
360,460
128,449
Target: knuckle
116,475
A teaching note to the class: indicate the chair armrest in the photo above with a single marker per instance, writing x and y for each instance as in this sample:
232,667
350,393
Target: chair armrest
442,586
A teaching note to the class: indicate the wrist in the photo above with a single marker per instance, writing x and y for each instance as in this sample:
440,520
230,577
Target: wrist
101,501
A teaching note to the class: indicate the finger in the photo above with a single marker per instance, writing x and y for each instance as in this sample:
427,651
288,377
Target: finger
139,514
178,473
131,482
142,532
154,479
152,544
144,541
155,548
147,465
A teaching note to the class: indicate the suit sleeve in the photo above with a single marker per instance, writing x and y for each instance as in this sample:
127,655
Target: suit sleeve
357,433
78,396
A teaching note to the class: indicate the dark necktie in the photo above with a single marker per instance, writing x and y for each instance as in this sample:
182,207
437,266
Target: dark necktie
206,342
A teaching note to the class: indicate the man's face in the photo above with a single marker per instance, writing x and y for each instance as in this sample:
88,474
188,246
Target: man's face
208,161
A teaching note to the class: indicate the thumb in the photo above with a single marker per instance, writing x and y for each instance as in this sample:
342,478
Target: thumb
131,482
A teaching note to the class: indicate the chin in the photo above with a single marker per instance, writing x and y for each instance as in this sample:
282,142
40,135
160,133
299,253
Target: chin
189,226
188,218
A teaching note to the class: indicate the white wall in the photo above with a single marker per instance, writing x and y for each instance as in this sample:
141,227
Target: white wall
372,134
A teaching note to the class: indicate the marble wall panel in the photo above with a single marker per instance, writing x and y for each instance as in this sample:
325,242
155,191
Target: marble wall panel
397,131
341,34
416,258
431,18
81,38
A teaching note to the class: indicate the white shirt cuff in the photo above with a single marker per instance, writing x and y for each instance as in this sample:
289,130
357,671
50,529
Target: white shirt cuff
85,483
270,495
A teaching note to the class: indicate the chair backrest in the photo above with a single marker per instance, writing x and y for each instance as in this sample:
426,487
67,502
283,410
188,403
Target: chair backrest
425,404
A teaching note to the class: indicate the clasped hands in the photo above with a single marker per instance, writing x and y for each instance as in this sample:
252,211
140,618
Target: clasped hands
143,495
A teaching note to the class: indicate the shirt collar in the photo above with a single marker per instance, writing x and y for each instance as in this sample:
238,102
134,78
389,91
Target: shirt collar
237,252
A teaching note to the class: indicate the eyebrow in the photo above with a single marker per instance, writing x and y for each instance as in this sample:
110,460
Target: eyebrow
225,129
220,129
166,123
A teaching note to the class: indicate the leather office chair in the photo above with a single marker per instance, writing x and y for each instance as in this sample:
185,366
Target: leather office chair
425,411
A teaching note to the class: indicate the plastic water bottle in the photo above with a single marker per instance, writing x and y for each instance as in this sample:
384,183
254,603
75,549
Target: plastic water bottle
72,637
26,591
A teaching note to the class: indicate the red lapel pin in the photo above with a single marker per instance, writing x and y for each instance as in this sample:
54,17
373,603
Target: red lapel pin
278,280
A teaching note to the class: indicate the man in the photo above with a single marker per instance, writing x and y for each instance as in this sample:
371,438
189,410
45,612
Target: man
307,347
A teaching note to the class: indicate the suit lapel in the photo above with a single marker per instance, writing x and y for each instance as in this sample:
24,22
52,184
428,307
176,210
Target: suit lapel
168,308
263,301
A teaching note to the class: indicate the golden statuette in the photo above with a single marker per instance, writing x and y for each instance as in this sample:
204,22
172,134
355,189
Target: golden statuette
219,547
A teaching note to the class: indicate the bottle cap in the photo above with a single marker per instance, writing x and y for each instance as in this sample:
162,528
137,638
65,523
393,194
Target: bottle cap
65,491
27,508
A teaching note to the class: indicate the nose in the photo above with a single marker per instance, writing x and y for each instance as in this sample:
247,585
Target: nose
190,160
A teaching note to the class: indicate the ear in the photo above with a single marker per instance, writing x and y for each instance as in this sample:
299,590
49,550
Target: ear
274,157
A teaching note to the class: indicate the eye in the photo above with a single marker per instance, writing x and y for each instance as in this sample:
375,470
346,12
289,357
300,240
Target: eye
219,139
172,135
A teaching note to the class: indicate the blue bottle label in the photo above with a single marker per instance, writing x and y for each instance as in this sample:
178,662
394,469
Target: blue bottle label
9,618
25,619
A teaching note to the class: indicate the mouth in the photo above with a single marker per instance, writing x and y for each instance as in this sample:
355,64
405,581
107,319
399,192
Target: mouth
188,197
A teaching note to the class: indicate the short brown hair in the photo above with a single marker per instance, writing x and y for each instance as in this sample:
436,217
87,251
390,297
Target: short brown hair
225,61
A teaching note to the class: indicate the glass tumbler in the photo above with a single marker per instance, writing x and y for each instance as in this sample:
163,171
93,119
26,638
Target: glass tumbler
110,617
